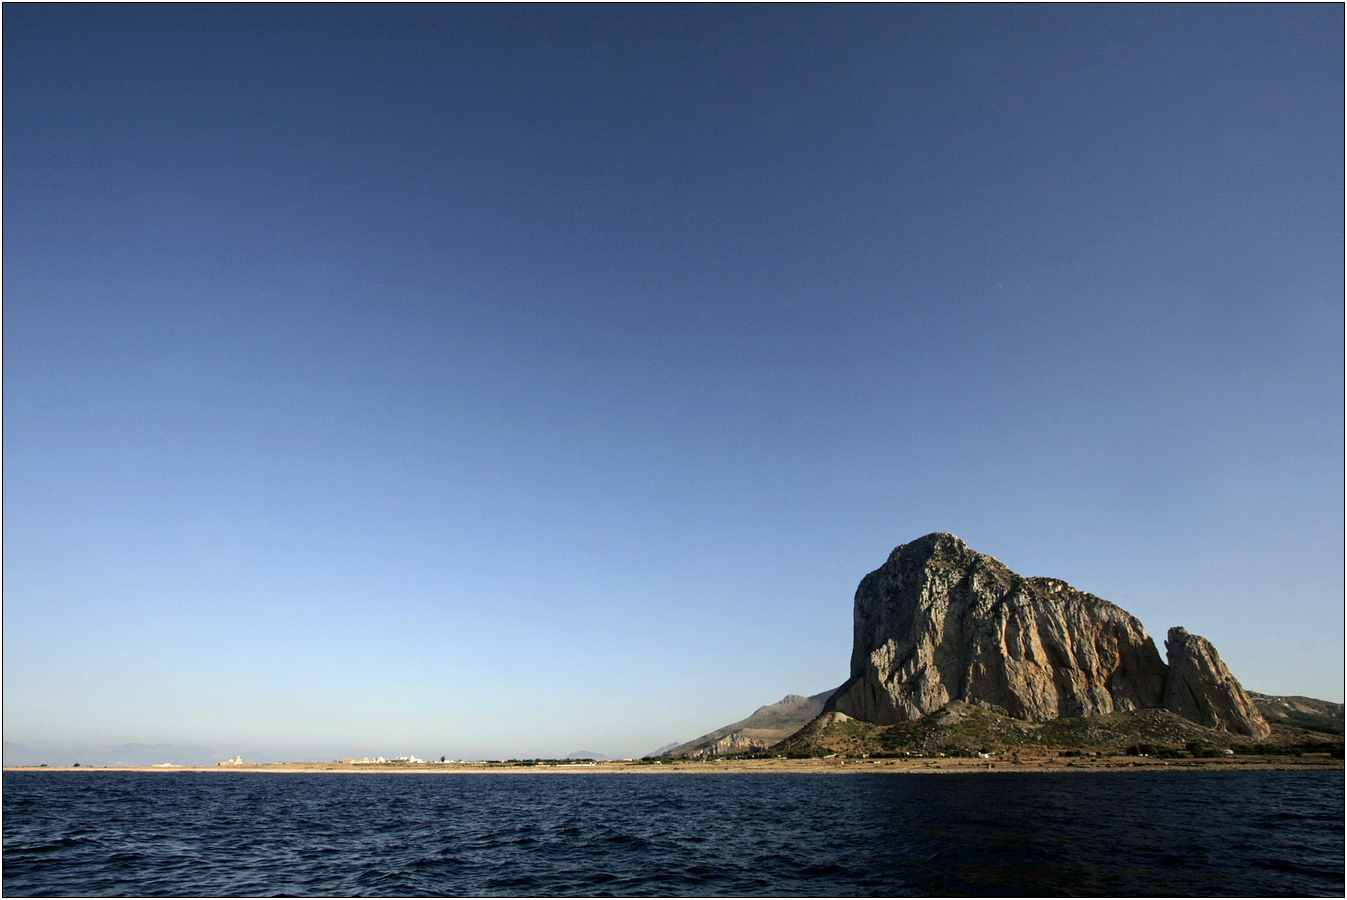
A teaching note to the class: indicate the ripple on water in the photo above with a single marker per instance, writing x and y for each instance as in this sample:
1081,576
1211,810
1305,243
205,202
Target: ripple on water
597,835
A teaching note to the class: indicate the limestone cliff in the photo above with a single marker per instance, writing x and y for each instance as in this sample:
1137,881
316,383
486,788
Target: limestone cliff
1200,688
939,622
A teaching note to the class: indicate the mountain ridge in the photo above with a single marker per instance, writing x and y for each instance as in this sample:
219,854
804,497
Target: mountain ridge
765,727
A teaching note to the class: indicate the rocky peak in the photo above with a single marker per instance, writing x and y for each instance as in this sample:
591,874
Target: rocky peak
937,543
1199,687
940,622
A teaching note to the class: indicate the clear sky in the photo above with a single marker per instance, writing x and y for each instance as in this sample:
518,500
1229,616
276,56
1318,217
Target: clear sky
512,381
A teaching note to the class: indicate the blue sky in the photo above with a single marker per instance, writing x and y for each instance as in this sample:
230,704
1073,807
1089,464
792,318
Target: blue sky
509,381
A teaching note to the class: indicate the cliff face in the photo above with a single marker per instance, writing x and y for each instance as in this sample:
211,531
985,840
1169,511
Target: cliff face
940,622
1201,688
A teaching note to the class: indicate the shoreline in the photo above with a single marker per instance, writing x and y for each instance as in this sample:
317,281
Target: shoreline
919,766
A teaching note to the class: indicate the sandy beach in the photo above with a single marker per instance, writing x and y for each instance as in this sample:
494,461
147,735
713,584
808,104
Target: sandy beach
916,766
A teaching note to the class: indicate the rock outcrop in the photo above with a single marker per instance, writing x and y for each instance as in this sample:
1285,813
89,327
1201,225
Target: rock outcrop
939,622
1201,689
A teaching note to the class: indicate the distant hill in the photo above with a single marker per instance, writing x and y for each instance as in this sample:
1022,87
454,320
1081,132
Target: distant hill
662,751
1300,712
767,726
588,754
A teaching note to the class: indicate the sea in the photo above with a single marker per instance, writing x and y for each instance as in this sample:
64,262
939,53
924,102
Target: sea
673,835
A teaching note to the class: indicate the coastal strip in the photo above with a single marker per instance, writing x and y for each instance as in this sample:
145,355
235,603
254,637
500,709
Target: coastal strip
915,766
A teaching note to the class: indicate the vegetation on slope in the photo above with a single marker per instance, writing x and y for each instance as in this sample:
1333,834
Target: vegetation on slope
963,730
1300,712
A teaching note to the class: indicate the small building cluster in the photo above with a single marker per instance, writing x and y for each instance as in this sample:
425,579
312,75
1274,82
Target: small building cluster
350,761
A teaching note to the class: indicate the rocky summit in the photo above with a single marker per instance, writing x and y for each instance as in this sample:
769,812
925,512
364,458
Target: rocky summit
939,623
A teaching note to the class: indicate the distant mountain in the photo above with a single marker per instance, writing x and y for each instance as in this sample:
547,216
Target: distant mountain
767,726
1300,712
16,754
588,754
662,751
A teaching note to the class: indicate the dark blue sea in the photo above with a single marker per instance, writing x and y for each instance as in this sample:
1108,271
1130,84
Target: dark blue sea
246,834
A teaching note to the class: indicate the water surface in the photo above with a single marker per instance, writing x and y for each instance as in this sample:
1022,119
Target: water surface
253,834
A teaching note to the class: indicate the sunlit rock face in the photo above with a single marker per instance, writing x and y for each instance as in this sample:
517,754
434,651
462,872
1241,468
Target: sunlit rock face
940,622
1201,688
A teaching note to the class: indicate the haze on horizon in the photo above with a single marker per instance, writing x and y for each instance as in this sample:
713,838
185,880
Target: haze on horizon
505,381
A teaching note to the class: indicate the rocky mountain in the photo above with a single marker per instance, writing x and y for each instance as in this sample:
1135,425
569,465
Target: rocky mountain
767,726
1200,688
587,754
940,622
